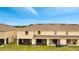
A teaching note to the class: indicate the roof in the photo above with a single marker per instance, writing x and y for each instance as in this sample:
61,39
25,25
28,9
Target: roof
55,36
4,27
52,27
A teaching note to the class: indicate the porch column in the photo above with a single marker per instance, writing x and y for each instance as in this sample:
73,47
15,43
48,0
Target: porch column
47,41
17,41
33,41
5,41
78,42
63,41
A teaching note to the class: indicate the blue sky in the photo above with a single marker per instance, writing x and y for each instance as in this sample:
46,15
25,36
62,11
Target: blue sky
35,15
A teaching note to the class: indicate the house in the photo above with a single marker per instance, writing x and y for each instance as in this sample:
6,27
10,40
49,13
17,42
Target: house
7,34
49,34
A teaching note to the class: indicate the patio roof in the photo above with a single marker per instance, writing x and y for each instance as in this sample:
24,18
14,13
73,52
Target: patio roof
56,36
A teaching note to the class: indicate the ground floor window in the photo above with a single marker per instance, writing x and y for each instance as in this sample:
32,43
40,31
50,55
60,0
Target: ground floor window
41,41
1,41
55,41
25,41
72,41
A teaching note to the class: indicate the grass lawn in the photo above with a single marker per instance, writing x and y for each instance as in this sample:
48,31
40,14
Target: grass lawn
14,47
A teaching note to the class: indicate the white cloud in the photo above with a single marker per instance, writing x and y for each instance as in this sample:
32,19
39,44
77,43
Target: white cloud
33,11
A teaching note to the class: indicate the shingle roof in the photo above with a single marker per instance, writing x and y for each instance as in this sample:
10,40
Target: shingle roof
4,27
53,27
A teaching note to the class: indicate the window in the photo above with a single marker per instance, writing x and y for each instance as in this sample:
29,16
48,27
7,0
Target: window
66,32
68,41
39,32
26,32
55,32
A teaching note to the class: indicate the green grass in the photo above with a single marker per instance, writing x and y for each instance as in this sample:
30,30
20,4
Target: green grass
14,47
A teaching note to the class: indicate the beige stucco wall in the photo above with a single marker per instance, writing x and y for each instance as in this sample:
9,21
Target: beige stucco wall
10,35
73,33
61,32
33,41
57,33
45,32
63,41
48,42
51,33
78,43
2,35
22,35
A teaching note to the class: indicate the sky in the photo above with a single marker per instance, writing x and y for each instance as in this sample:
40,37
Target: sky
39,15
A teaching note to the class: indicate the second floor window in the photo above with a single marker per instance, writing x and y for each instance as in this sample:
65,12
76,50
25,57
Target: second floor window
55,32
26,32
39,32
66,32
